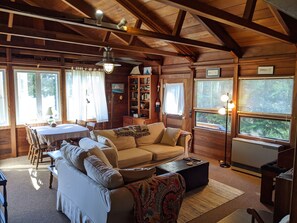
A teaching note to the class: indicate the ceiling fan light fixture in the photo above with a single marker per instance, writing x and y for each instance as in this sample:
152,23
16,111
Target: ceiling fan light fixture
108,68
99,16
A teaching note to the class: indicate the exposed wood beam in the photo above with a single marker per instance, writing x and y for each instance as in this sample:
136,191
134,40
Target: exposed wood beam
39,25
227,18
279,19
79,41
216,30
87,10
179,22
36,12
133,38
82,7
10,23
153,22
174,39
249,9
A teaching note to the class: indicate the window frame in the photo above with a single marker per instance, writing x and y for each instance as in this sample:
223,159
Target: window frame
38,71
260,115
5,91
210,126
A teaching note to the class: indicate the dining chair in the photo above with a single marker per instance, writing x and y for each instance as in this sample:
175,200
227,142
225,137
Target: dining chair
81,122
29,139
39,150
91,125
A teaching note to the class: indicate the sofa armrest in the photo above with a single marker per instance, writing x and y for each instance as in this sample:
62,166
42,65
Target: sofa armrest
185,140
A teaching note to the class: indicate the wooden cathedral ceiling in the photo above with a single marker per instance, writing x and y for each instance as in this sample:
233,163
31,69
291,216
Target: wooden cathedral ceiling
156,29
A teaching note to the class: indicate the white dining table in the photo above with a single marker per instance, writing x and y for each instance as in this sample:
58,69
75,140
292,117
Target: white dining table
49,135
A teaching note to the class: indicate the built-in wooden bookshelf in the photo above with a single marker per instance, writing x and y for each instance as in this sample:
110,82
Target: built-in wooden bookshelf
142,95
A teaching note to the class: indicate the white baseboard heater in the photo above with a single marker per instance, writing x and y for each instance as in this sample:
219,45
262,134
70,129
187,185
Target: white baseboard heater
249,155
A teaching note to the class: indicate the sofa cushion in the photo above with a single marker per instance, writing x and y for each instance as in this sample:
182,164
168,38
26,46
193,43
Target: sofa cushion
102,174
94,148
74,155
135,174
155,136
161,152
170,136
132,157
121,142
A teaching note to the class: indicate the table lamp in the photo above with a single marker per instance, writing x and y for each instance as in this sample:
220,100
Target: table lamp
50,114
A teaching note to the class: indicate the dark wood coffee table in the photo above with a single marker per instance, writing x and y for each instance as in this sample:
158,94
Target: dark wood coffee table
195,175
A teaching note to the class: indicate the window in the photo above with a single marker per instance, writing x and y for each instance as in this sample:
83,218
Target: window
3,100
208,100
265,107
36,91
174,99
86,99
208,92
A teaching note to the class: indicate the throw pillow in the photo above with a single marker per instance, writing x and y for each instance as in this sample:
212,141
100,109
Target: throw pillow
102,174
94,148
170,136
131,175
74,155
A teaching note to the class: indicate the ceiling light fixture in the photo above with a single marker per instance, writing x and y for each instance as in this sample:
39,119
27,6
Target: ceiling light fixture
99,16
122,24
108,61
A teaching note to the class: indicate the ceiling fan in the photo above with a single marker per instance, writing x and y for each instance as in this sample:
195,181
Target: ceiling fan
109,61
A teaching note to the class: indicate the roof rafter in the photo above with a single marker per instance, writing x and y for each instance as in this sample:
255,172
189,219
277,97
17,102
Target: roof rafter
179,22
156,24
89,11
249,9
36,12
220,34
224,17
78,40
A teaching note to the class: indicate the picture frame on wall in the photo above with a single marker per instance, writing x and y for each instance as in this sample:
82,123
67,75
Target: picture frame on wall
147,70
118,88
213,72
266,70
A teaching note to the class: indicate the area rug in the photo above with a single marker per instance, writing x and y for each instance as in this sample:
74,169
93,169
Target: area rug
204,199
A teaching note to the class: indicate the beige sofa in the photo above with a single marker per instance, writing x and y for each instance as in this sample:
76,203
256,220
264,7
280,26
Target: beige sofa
160,146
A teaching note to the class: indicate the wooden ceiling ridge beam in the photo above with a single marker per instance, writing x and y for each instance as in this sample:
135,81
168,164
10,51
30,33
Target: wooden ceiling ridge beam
78,40
249,9
217,31
156,24
224,17
36,12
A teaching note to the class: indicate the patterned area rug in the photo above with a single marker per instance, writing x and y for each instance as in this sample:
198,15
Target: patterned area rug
204,199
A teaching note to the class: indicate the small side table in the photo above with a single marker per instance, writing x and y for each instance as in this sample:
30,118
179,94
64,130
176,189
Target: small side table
3,199
52,168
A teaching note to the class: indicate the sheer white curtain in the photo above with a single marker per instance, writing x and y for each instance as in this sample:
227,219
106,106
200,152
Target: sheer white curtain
86,98
174,99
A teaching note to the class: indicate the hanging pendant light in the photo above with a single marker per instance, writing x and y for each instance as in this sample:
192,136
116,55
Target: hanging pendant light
108,61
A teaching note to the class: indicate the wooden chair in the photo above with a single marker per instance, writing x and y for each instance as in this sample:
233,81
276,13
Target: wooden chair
29,139
91,125
81,122
39,150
